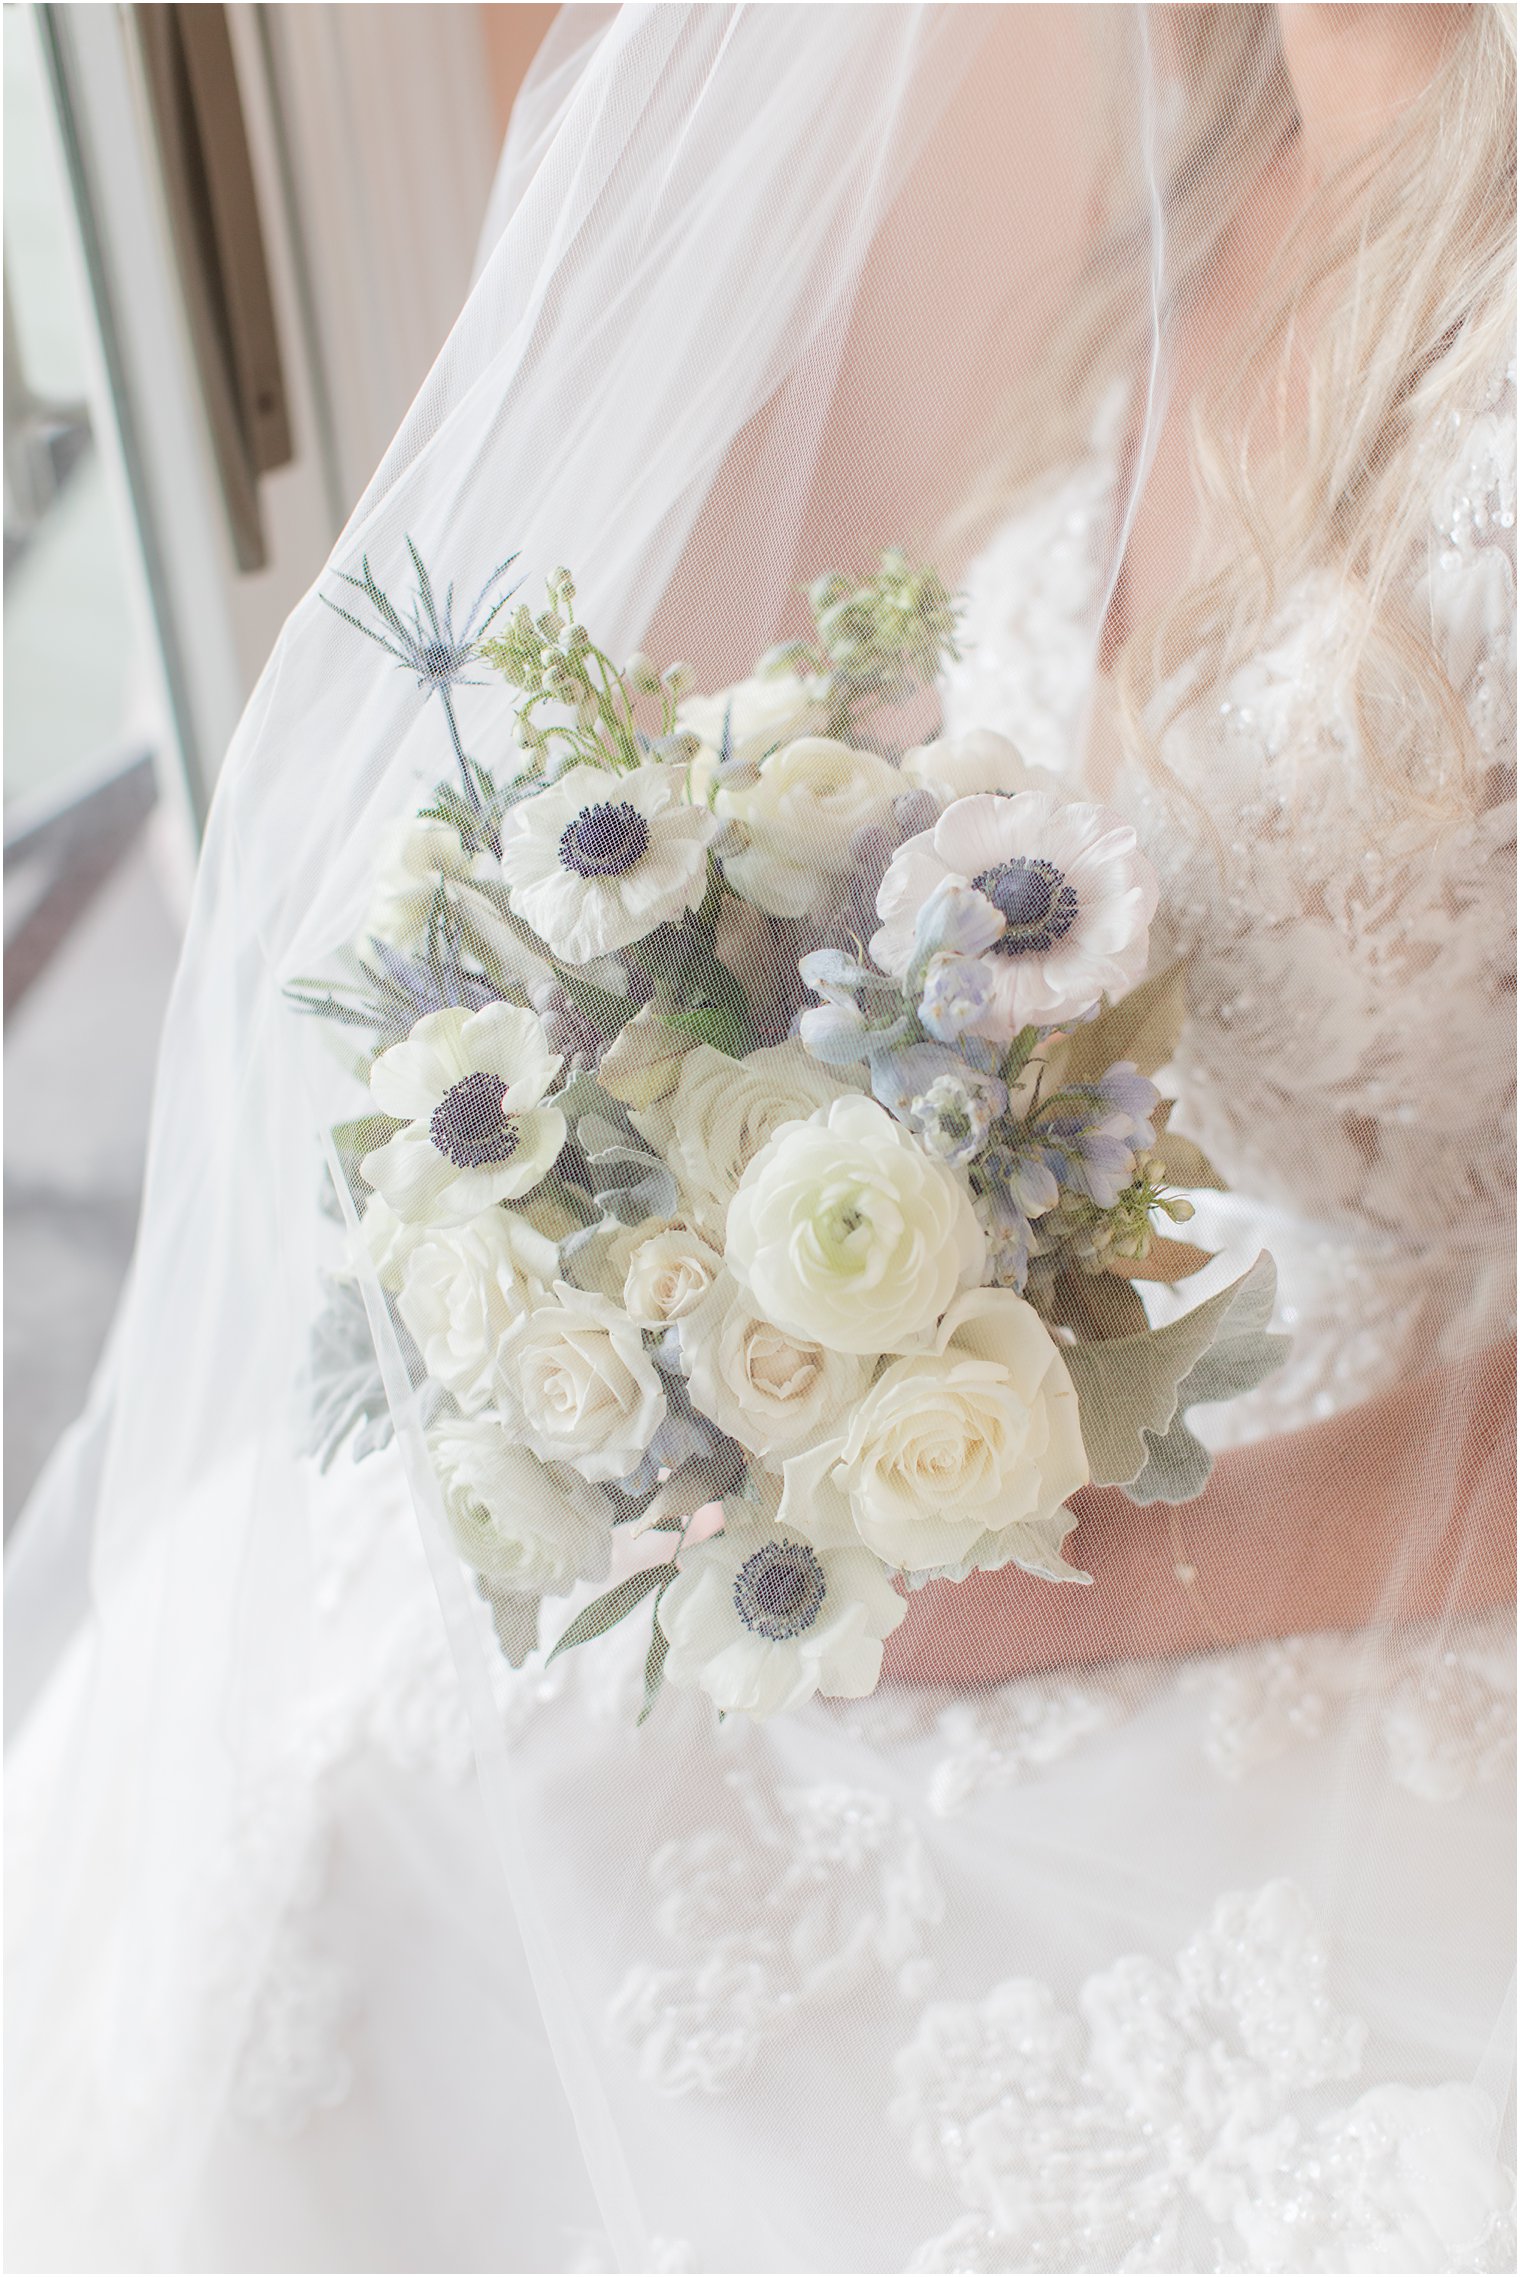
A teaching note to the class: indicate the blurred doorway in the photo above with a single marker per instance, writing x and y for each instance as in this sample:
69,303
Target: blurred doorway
235,238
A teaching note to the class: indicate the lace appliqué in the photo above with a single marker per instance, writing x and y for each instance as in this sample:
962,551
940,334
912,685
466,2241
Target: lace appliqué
1180,2120
293,2062
1446,1722
792,1909
1005,1736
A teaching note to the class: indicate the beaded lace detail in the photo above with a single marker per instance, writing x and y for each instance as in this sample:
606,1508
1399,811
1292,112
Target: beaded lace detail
793,1904
1185,2115
1350,968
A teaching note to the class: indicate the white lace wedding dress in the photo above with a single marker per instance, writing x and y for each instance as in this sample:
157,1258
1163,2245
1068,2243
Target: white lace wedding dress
858,1997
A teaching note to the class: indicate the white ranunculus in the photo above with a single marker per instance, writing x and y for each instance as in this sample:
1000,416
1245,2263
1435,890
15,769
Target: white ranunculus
770,1390
770,709
577,1383
760,1621
1068,879
596,860
759,872
523,1527
798,818
723,1111
463,1287
847,1233
469,1087
959,1456
415,854
669,1274
956,766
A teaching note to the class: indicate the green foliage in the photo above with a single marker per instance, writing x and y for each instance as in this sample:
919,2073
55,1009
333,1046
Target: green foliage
614,1605
1142,1027
878,642
654,1664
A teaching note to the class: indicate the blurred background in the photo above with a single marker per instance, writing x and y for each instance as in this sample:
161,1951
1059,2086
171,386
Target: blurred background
235,239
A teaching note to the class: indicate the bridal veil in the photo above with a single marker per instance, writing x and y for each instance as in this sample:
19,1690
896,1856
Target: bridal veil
985,1975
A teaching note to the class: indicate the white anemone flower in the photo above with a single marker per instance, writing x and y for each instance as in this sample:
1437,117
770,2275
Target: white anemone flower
469,1086
1068,879
760,1621
596,860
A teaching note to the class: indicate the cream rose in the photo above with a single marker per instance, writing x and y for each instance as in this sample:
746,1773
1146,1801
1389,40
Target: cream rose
463,1287
955,766
772,1391
847,1233
959,1456
669,1274
523,1527
723,1111
575,1380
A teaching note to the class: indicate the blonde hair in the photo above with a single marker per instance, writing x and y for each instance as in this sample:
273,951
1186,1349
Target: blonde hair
1316,446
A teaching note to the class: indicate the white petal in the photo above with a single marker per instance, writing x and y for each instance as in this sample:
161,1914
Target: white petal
509,1041
976,834
411,1078
412,1176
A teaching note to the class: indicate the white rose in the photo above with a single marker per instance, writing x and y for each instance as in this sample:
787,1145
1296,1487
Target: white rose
521,1526
959,1456
847,1233
772,708
955,766
669,1274
574,1377
723,1111
463,1287
770,1390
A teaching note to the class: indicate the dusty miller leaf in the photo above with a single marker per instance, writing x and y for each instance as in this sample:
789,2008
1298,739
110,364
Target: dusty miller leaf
514,1617
347,1390
1242,1354
1132,1389
648,1191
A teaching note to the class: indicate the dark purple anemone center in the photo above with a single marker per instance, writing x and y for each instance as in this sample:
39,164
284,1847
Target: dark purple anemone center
470,1126
779,1591
1037,904
604,841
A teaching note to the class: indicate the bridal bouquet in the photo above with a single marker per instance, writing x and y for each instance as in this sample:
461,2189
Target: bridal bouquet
763,1150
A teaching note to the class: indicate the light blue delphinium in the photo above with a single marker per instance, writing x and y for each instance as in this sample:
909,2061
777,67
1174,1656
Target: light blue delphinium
957,920
956,997
1008,1239
949,1103
838,1031
1097,1129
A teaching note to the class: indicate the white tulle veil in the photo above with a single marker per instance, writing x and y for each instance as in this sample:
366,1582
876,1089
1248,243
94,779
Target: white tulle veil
759,284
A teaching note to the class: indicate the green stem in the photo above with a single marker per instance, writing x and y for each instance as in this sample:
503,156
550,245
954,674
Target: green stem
466,771
607,1012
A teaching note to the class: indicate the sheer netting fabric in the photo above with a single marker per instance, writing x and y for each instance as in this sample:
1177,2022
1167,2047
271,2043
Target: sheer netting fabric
1162,1922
